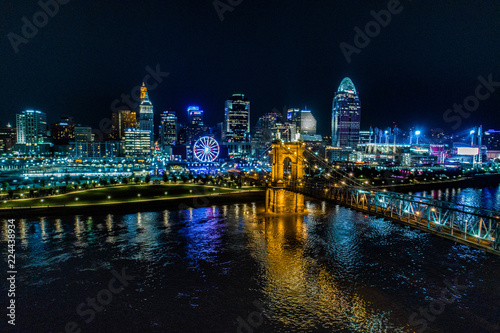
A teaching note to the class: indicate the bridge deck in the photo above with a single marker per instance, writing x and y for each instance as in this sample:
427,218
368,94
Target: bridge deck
472,226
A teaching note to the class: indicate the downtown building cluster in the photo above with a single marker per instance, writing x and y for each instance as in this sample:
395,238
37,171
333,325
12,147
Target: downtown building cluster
134,134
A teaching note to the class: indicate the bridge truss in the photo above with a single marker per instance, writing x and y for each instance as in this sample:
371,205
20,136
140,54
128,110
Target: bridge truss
469,225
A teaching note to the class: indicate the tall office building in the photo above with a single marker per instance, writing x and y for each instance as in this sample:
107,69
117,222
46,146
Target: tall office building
123,119
169,128
195,127
63,131
236,119
346,116
265,128
31,127
308,123
146,121
303,120
195,116
137,143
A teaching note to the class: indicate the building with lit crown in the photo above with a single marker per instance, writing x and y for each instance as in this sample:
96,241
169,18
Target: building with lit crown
146,115
346,116
195,116
195,127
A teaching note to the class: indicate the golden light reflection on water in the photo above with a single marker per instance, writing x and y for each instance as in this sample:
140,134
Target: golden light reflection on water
166,222
293,280
58,226
42,227
22,232
78,225
110,238
5,237
109,222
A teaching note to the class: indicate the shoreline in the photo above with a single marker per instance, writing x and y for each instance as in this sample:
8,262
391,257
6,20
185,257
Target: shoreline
477,181
138,206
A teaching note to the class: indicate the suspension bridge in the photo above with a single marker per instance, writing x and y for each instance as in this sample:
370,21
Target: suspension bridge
473,226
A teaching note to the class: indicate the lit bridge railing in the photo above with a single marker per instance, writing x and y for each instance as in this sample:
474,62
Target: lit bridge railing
474,226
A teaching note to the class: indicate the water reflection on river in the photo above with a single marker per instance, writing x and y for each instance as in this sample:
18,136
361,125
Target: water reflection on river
488,197
218,268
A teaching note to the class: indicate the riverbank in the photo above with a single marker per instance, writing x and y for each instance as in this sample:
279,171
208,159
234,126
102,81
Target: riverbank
474,181
175,203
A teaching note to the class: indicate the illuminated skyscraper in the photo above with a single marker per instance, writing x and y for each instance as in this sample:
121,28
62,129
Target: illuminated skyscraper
169,128
146,122
236,119
195,116
346,116
123,119
136,143
303,120
31,127
195,126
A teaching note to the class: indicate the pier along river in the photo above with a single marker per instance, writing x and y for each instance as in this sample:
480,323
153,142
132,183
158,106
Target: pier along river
235,269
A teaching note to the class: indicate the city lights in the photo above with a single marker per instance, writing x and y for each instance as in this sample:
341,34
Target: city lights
254,167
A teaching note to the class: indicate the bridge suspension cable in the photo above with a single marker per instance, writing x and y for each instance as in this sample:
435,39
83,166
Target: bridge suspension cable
341,173
346,178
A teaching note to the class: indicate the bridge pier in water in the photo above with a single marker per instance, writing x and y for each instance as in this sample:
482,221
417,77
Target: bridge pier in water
282,201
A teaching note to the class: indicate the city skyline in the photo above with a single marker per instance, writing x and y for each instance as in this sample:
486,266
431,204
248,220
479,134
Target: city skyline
155,123
410,58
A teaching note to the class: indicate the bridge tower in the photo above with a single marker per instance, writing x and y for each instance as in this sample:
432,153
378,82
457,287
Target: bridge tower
292,152
278,199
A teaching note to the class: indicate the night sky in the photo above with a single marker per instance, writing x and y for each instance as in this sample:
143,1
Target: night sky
278,53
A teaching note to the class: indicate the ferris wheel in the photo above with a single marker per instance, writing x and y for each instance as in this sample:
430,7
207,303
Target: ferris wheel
206,149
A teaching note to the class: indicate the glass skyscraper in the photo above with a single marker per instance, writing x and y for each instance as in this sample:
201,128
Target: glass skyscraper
303,119
169,128
236,119
31,127
195,127
346,116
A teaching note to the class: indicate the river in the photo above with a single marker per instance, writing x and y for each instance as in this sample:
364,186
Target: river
234,269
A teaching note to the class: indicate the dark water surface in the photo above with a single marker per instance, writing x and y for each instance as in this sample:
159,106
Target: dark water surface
234,269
